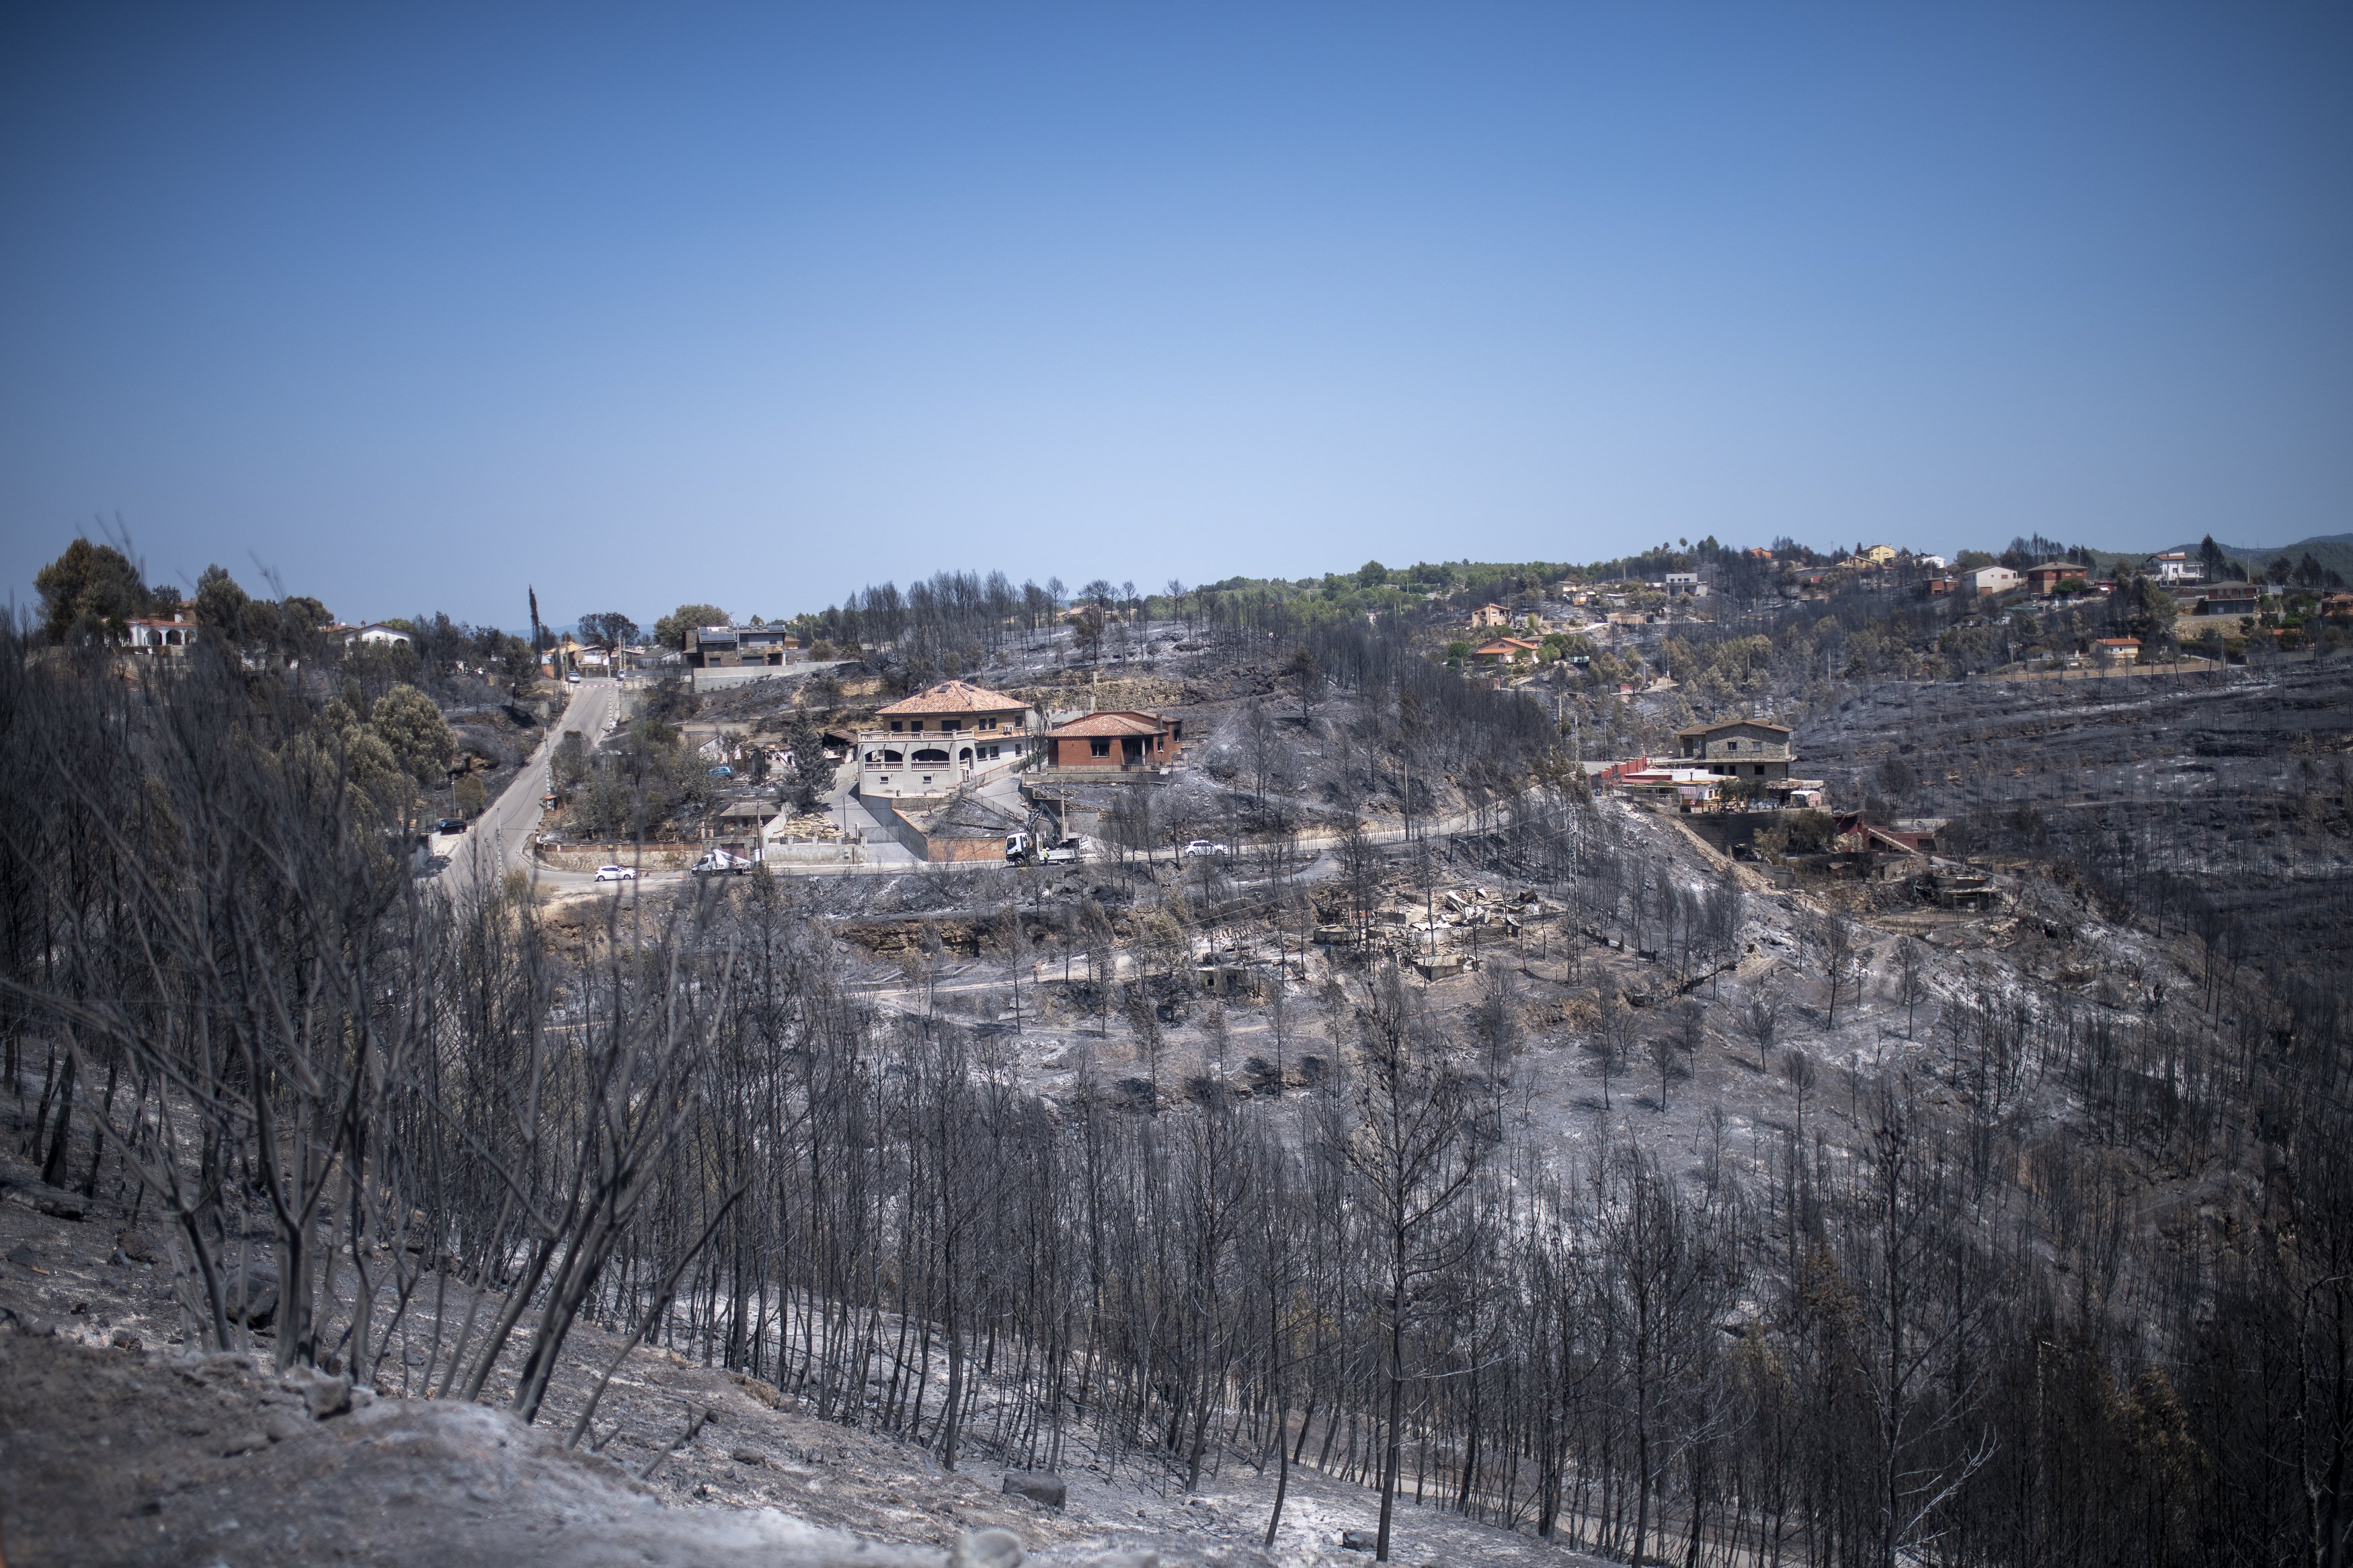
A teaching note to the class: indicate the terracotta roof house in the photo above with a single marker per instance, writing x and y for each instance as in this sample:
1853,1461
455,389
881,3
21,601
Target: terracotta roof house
1506,650
2046,578
1742,748
1115,739
929,744
2124,650
950,700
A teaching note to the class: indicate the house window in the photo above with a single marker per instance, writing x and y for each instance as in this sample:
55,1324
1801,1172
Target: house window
1100,746
897,725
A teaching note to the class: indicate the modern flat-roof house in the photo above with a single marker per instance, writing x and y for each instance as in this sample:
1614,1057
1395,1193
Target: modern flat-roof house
1988,579
1738,748
2175,566
933,743
2231,599
734,647
1116,740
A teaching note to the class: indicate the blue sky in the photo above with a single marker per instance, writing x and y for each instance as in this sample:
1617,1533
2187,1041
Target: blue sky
757,305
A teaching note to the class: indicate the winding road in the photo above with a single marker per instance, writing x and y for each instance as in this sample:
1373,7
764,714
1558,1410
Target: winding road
499,839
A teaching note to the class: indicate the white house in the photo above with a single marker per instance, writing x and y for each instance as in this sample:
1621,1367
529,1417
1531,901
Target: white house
379,634
2175,566
1989,580
930,744
151,634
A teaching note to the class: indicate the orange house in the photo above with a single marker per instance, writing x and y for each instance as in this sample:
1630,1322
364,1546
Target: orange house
1506,650
1115,739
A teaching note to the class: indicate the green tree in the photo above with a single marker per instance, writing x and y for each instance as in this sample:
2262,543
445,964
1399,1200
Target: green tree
221,605
671,629
406,719
610,629
812,774
92,584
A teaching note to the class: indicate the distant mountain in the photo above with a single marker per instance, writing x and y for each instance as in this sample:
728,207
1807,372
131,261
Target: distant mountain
2265,551
2333,550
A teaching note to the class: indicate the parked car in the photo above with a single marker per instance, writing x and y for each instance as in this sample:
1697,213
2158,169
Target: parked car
1206,847
722,772
573,679
616,873
450,825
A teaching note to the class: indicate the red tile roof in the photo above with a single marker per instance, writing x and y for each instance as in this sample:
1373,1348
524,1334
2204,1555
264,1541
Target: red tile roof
954,696
1120,723
1732,724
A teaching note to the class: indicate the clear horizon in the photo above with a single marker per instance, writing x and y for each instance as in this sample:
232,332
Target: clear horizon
755,306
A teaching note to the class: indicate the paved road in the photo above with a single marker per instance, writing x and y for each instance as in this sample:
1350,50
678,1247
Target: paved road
881,856
500,840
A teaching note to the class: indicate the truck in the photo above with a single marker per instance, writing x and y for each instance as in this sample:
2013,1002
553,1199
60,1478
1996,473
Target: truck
719,862
1024,848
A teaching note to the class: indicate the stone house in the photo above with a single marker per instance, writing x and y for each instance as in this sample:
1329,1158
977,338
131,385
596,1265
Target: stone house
1737,748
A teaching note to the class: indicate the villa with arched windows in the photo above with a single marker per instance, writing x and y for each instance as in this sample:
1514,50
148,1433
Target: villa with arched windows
935,742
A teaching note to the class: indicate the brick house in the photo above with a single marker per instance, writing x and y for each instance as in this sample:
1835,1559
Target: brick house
1739,748
2045,579
1115,739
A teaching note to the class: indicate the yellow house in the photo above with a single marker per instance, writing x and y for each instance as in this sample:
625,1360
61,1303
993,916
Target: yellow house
1879,554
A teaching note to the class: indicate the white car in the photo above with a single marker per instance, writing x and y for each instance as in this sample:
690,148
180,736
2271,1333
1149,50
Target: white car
616,873
1205,846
